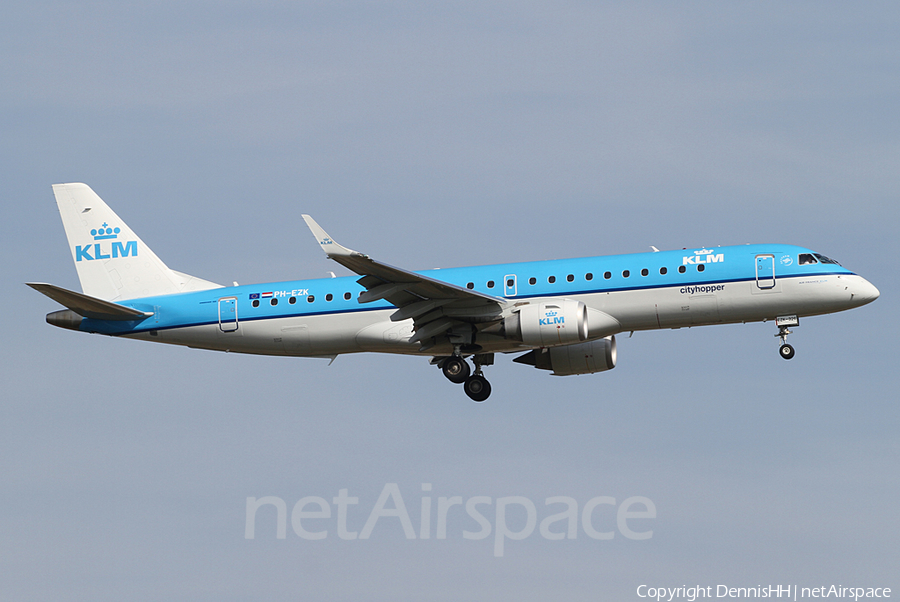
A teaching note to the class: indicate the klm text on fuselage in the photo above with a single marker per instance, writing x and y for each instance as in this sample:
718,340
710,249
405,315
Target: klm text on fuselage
696,259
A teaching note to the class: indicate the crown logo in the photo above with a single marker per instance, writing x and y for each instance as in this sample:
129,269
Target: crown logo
105,232
703,252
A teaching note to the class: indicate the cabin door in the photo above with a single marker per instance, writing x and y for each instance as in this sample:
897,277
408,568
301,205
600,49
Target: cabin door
765,271
228,320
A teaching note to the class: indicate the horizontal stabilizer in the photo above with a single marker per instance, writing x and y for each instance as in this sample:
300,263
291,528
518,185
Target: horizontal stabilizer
89,307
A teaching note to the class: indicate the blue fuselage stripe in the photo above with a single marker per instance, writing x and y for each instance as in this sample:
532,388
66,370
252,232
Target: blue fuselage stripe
726,265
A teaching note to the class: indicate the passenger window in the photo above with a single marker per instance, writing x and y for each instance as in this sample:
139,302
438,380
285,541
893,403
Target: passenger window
274,301
490,283
310,298
470,285
256,303
588,276
510,282
681,269
551,279
347,296
532,281
329,297
626,274
701,267
292,300
571,277
644,272
663,271
607,275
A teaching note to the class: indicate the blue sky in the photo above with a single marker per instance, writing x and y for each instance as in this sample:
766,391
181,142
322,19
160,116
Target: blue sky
437,136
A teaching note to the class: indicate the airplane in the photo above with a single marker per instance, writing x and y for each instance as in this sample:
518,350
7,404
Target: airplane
562,315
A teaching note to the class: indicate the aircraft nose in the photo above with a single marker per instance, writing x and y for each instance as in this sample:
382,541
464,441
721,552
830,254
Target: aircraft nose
866,292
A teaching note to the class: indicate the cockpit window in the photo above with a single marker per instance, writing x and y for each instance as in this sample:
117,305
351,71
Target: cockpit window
807,258
824,259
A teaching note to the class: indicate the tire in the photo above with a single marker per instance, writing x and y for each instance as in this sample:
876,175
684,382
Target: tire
456,369
786,351
477,388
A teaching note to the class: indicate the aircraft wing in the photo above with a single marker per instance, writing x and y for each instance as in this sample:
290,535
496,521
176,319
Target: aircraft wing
435,306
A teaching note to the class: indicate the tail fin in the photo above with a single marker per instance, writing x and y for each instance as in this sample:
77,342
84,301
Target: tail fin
112,262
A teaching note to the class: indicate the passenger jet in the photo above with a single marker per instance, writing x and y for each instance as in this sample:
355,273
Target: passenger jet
562,315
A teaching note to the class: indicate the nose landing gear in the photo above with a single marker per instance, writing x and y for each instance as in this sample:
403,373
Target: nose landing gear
786,351
783,322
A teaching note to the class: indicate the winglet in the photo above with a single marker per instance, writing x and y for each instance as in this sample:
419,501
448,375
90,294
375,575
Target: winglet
331,248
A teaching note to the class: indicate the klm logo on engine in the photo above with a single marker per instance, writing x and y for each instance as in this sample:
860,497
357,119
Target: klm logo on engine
703,256
550,318
103,250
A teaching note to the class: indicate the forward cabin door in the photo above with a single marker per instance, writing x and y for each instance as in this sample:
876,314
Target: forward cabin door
765,271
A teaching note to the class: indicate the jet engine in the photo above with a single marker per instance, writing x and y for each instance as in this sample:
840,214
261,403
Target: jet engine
581,358
557,322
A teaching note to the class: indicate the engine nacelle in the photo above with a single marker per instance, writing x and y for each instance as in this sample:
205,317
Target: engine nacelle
581,358
557,322
550,323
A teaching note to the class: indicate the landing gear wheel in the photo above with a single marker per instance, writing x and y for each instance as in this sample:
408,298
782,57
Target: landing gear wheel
786,351
477,387
456,369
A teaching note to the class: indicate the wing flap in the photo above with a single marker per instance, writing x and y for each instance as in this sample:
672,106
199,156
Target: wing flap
417,309
431,329
383,291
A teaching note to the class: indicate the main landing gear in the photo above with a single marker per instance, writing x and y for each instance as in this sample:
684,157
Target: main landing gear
457,370
785,351
477,387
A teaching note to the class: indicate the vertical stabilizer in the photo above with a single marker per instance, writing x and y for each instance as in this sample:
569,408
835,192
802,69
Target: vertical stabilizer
113,263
